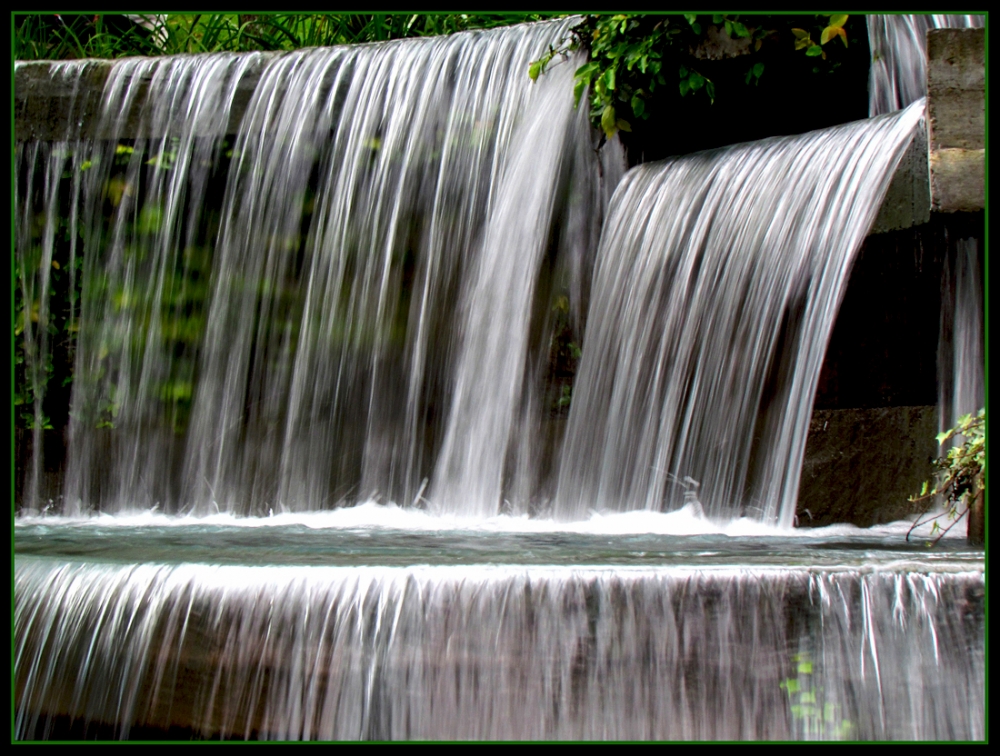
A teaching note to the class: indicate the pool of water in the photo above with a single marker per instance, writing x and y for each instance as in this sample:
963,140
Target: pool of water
385,535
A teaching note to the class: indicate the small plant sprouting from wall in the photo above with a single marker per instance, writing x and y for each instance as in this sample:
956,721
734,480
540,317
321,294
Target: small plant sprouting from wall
960,474
814,717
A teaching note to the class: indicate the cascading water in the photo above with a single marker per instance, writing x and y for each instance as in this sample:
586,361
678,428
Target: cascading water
138,277
899,57
718,281
496,652
338,275
961,356
372,279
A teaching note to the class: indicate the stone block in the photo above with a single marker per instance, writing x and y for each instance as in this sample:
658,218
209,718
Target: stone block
49,105
959,179
862,465
956,118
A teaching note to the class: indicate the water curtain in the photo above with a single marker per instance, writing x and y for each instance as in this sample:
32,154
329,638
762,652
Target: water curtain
363,310
718,281
496,652
898,73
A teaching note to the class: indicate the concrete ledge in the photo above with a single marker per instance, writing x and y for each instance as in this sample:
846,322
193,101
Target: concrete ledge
956,113
51,106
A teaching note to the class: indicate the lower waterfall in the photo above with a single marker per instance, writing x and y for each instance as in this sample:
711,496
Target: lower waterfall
487,652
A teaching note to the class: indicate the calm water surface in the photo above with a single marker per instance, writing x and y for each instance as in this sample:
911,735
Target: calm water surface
389,536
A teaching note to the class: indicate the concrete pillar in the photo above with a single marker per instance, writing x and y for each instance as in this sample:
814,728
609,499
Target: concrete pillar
956,89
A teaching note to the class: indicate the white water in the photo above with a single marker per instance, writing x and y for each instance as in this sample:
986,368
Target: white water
961,350
369,312
477,652
899,57
718,281
376,517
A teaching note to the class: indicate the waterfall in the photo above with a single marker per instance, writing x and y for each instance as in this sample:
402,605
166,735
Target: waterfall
961,355
717,285
483,652
899,57
282,283
142,273
342,295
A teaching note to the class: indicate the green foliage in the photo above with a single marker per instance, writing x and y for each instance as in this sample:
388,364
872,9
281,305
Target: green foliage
835,28
817,718
637,58
44,370
564,356
960,474
67,36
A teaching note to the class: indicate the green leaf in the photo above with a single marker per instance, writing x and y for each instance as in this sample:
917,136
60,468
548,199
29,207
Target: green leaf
838,20
740,29
685,87
791,685
710,90
690,18
696,81
609,78
638,105
758,69
813,51
717,18
623,125
828,33
805,668
534,69
608,121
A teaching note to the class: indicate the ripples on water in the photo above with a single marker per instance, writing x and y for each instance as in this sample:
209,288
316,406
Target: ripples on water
380,534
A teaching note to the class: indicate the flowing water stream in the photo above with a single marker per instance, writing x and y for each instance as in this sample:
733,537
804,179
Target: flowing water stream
380,623
899,56
717,287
